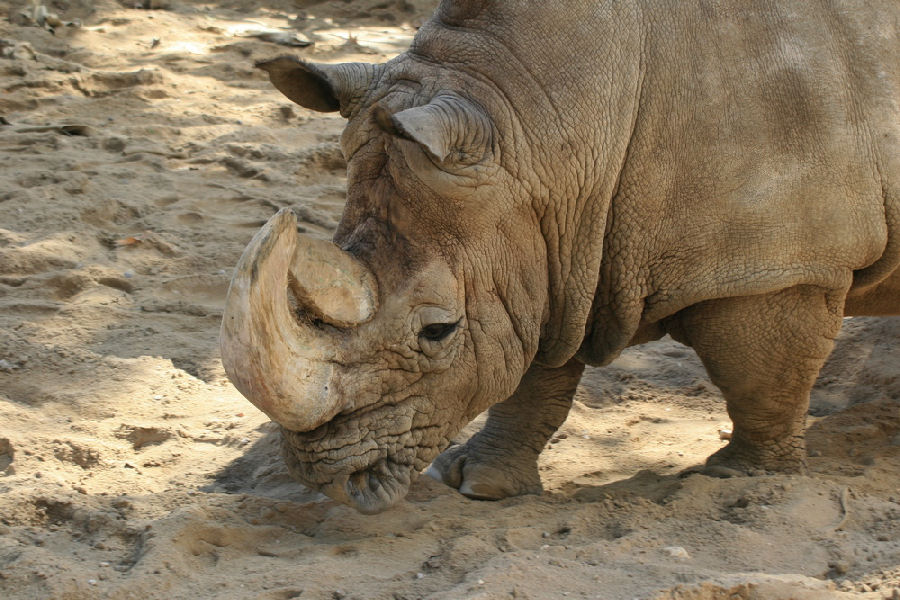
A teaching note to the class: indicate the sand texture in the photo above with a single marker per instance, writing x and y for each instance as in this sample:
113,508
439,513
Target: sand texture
140,151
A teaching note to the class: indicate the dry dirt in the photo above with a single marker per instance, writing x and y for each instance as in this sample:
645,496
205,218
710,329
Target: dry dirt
140,152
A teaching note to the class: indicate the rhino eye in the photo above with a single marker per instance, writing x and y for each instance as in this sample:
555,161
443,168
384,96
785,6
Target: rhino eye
436,332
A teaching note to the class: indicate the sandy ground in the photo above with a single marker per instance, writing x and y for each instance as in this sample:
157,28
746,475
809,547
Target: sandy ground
140,152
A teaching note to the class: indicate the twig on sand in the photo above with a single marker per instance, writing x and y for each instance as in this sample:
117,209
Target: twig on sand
845,507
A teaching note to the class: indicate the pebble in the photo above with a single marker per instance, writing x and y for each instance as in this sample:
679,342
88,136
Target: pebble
840,567
128,274
5,364
92,582
676,552
221,271
420,575
157,397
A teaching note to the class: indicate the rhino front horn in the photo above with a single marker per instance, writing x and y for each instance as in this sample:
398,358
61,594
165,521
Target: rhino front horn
276,350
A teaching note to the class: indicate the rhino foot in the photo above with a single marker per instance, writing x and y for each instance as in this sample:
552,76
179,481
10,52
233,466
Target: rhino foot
743,457
481,477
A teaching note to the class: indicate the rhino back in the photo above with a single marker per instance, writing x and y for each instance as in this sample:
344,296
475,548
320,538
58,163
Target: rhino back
764,155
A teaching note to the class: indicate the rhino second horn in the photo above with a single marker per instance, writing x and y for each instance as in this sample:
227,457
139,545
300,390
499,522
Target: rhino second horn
330,285
281,364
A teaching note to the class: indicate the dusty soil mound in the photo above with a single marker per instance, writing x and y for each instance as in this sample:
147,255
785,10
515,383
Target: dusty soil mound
140,152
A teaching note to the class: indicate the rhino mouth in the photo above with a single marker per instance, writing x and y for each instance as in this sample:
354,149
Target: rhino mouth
375,488
370,482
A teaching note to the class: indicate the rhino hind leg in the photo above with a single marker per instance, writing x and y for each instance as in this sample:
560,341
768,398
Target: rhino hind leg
501,460
764,352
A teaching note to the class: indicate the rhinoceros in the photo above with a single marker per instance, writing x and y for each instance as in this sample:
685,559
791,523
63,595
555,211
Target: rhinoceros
535,186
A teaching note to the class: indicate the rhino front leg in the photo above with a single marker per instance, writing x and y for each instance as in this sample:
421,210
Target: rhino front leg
501,460
764,352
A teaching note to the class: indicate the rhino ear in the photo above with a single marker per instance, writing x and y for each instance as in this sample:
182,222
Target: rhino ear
325,88
445,125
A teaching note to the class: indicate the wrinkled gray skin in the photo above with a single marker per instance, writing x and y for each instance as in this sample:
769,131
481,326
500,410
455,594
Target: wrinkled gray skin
536,186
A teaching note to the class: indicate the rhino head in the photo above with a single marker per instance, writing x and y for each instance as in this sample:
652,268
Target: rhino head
373,351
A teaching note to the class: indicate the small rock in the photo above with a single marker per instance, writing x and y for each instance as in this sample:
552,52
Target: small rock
282,38
724,434
840,567
114,144
420,575
128,274
676,552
